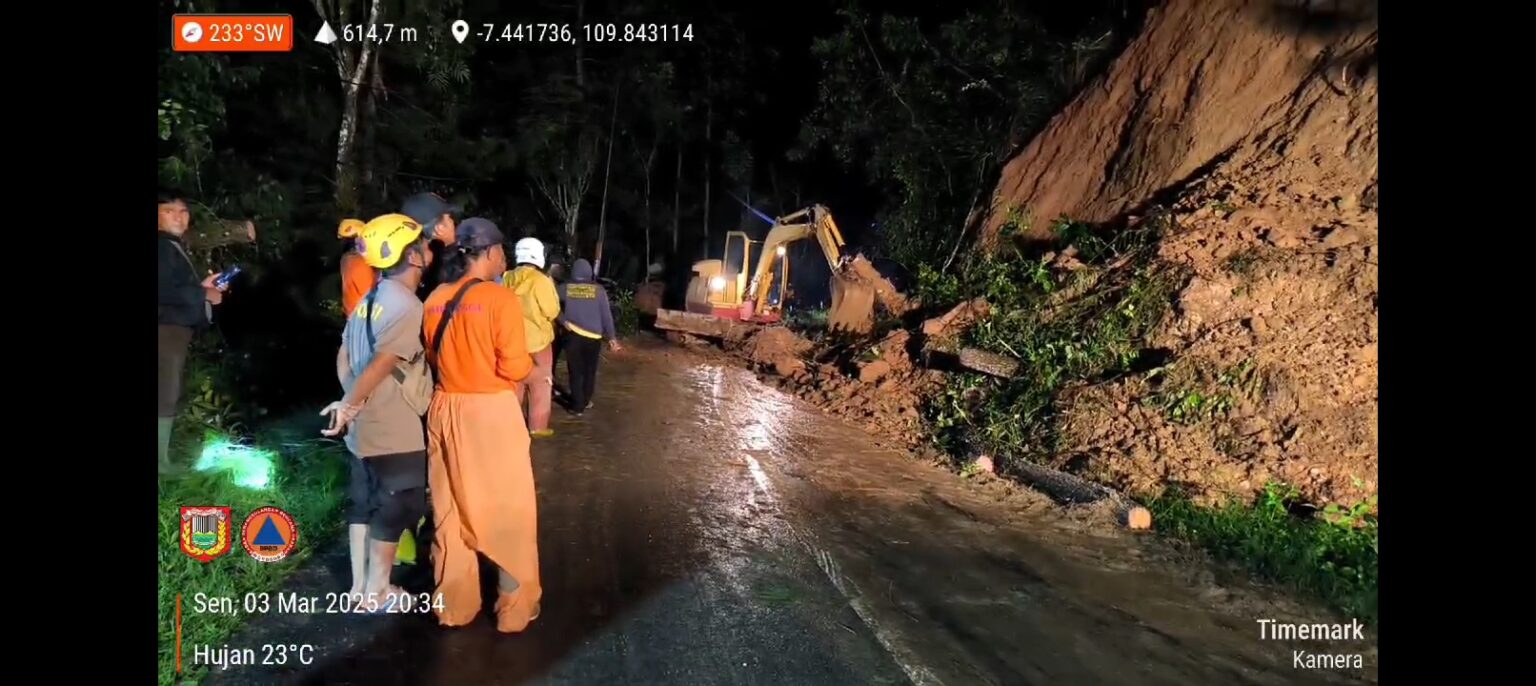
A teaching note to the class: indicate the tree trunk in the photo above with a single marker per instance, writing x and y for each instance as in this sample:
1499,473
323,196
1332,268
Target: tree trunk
371,193
353,72
648,213
346,173
1206,84
677,199
650,166
602,213
563,181
709,123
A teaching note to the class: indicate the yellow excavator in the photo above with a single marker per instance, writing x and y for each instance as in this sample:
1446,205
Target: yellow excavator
725,293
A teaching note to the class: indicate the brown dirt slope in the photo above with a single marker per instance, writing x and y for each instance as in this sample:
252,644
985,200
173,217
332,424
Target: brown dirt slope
1207,83
1259,119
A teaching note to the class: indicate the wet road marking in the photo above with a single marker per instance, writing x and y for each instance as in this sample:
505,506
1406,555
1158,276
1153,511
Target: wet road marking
761,438
904,658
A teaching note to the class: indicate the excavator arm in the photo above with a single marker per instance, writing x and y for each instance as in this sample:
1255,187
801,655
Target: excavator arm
816,221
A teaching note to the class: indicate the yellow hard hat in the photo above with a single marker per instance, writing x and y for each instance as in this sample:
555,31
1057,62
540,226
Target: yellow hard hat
350,228
385,239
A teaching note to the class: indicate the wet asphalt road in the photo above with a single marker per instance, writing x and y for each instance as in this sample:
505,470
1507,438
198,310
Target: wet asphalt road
697,527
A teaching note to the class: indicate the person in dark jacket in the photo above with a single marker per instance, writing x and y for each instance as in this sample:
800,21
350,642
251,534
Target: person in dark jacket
587,319
186,306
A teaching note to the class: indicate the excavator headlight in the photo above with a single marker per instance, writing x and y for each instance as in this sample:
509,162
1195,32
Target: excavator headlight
780,250
717,283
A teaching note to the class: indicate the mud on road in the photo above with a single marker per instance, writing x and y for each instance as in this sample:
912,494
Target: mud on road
698,527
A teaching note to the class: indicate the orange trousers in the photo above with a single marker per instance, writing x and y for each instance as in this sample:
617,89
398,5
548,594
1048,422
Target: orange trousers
538,390
481,476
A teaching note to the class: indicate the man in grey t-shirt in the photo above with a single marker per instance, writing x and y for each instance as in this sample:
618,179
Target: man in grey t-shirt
381,339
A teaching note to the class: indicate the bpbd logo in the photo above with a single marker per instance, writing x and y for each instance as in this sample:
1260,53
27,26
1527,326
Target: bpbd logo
269,534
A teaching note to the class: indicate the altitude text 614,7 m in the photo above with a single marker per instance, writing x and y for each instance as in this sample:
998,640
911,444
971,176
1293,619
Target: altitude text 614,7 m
378,33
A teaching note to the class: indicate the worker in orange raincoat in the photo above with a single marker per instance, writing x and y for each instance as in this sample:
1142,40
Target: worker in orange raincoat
479,469
357,278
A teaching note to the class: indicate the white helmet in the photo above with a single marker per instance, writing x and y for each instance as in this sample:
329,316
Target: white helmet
529,251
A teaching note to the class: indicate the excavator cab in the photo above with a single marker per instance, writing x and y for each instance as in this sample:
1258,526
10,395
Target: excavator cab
717,285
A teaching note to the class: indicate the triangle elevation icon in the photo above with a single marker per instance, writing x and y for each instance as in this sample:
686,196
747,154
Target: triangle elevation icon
326,35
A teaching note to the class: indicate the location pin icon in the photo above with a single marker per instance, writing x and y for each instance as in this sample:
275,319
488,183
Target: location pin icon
460,30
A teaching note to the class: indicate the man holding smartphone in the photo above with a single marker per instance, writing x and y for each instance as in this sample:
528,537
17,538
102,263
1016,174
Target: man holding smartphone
186,306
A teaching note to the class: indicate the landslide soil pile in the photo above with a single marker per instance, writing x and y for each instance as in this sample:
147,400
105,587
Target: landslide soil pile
1259,120
879,386
1255,124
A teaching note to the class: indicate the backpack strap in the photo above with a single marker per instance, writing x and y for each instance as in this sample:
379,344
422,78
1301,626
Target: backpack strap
373,342
442,324
373,294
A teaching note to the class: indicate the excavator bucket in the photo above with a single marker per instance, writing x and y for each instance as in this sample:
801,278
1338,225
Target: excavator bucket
856,287
853,305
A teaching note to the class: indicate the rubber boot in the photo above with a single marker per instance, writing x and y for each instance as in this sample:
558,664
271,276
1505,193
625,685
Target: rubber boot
166,466
511,617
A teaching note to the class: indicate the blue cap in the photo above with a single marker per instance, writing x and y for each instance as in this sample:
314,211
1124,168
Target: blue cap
477,233
426,208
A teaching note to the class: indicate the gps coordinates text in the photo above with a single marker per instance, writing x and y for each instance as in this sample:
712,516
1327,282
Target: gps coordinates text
590,33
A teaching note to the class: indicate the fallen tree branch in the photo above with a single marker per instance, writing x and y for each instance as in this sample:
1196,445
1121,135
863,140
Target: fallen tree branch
224,232
988,362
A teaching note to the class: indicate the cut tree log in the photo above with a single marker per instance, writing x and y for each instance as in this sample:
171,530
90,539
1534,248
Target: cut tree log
957,319
987,362
1067,489
222,233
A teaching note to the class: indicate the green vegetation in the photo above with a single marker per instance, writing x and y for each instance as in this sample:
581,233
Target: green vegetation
1332,557
1244,262
626,316
307,480
1072,327
1186,405
807,320
1066,327
283,465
